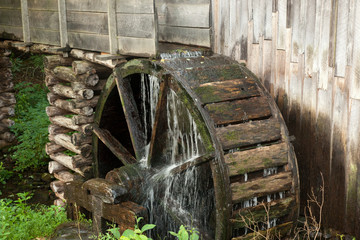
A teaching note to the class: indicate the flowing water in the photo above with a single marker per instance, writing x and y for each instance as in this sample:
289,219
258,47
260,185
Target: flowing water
181,198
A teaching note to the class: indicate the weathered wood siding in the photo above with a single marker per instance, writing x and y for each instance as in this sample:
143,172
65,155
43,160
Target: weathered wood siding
184,21
113,26
308,55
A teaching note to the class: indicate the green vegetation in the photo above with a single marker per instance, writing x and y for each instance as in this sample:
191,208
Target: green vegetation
4,175
18,220
31,126
186,233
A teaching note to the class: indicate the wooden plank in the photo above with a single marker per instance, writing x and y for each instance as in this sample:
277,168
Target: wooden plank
94,42
281,27
232,43
192,36
243,29
198,76
186,15
43,5
268,20
136,25
277,209
257,159
355,72
259,20
145,47
25,20
352,164
44,19
227,90
248,134
324,44
131,114
10,17
45,36
280,231
261,187
10,4
112,26
62,23
79,22
297,25
86,6
350,32
239,110
114,145
309,36
135,6
266,69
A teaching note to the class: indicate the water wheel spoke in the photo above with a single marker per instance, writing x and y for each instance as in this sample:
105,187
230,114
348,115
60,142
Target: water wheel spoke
114,145
132,116
158,136
192,163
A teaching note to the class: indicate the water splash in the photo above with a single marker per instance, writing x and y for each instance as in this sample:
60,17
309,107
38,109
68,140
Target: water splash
270,171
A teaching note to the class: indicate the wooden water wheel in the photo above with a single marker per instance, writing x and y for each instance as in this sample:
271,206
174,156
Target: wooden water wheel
243,151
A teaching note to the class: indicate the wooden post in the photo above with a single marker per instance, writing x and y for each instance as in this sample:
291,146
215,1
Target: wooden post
25,21
63,25
112,26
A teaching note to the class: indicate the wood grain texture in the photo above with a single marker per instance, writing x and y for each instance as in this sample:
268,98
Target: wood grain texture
261,187
239,110
227,90
257,159
250,133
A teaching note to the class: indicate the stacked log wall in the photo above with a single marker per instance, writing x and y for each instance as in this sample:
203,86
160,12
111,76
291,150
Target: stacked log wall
307,53
7,100
74,87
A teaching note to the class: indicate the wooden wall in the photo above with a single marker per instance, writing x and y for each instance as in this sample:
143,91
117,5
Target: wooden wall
307,53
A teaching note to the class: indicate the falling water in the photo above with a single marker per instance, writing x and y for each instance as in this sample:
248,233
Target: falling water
175,199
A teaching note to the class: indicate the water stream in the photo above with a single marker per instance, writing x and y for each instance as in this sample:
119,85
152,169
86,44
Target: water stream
182,198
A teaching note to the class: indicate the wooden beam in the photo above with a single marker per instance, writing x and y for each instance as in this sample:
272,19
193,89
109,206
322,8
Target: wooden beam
63,25
25,21
113,44
114,145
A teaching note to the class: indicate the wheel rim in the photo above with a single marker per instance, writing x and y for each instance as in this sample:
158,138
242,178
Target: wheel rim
196,144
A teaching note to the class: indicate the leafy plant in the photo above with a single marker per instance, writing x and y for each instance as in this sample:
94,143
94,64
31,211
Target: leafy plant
17,64
128,234
185,233
18,220
4,175
31,126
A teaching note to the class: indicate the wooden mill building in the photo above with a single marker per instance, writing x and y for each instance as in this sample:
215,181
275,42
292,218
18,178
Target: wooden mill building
305,52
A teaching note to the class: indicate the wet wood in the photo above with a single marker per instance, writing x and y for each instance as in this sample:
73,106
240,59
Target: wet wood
51,148
132,115
261,187
201,75
257,159
79,139
193,163
65,141
52,61
157,154
108,192
227,90
124,214
55,167
277,209
248,134
239,110
114,145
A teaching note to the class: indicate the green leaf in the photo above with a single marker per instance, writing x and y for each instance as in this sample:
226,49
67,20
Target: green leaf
129,233
147,227
115,232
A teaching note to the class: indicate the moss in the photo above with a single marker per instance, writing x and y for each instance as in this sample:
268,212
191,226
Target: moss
232,136
208,94
267,162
